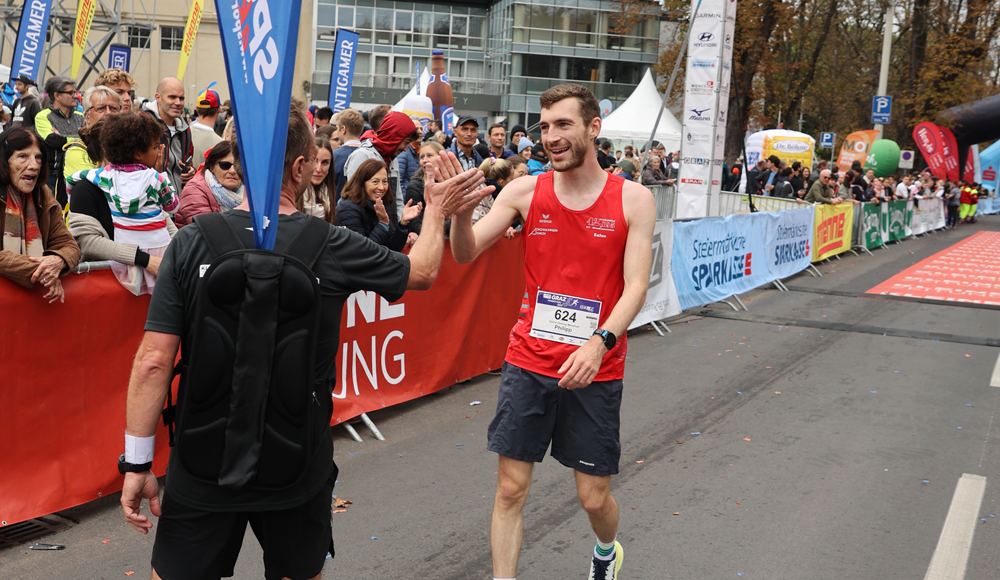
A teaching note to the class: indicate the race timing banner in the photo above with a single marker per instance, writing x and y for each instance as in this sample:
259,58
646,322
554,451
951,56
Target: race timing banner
259,41
190,31
30,43
706,100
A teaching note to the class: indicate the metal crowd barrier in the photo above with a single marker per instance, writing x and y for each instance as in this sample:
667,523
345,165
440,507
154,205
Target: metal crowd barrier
734,203
666,201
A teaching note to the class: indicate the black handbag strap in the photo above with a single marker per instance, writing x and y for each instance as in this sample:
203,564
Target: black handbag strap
219,234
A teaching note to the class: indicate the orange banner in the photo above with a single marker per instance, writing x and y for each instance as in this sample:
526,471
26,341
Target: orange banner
66,367
855,148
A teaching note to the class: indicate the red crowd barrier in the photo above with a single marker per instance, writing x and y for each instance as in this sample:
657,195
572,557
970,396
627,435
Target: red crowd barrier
65,369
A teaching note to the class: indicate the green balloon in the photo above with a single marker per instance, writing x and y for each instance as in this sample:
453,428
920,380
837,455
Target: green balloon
883,157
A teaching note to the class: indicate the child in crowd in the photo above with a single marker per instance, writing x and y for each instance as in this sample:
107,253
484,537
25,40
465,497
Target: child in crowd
138,195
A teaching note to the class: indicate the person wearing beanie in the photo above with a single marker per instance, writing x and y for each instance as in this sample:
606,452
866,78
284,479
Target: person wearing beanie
524,149
517,132
536,165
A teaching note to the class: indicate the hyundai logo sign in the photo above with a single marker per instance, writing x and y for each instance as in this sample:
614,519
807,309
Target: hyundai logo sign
706,36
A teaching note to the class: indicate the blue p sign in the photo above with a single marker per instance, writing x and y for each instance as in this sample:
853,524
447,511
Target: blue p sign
881,109
826,140
119,56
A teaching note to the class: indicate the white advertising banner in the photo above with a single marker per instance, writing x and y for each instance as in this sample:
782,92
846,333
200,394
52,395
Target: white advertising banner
706,100
661,298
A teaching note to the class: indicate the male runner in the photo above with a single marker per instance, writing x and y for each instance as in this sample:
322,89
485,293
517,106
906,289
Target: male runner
587,255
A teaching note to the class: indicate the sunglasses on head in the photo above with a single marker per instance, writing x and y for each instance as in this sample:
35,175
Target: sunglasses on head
225,165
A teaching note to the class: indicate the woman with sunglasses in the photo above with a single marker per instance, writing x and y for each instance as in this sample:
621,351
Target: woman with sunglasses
217,187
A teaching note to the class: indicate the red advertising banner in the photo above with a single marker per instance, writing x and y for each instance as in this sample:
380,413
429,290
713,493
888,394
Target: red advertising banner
928,140
855,148
66,369
949,150
969,173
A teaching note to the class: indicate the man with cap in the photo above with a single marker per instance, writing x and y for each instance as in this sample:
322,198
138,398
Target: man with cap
466,133
26,106
516,133
203,129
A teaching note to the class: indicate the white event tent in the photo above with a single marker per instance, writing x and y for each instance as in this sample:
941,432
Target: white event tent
633,120
425,78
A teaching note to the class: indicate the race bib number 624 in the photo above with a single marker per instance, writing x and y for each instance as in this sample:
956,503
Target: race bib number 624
565,319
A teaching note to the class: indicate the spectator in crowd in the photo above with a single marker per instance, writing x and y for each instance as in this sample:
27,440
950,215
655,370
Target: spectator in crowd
57,125
815,174
27,104
536,165
518,166
225,115
858,187
903,188
625,168
415,189
876,192
323,116
432,129
796,179
731,181
395,134
409,160
821,191
517,132
629,151
317,200
524,149
498,173
121,83
889,184
466,130
968,199
806,181
783,187
856,167
178,147
37,247
203,135
753,176
442,138
618,155
953,198
604,156
368,206
90,219
377,116
98,101
328,131
498,138
216,187
869,177
138,195
766,178
652,175
351,125
844,191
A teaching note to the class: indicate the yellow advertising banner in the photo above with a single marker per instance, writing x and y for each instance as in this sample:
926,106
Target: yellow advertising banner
855,148
84,18
190,31
832,230
789,149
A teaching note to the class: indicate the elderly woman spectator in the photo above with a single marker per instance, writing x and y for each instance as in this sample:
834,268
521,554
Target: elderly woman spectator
652,175
98,101
317,200
217,187
368,207
37,247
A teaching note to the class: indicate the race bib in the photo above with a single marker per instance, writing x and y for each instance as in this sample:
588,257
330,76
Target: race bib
565,319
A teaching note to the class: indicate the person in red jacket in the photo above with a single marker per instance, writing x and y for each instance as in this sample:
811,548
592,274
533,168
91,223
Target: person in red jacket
216,187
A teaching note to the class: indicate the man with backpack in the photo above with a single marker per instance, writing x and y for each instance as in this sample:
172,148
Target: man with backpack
258,332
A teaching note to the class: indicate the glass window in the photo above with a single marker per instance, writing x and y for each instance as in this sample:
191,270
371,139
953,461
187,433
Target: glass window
541,17
421,29
442,27
404,21
474,69
138,37
363,70
364,18
324,60
540,36
401,65
381,79
459,25
521,15
456,68
476,27
383,19
586,26
345,17
171,37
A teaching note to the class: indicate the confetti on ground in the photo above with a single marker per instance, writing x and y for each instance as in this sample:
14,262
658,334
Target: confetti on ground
747,439
374,538
465,416
130,572
897,372
474,403
696,432
641,461
968,404
458,444
959,427
355,453
339,511
966,355
777,392
767,367
105,541
738,503
328,556
678,441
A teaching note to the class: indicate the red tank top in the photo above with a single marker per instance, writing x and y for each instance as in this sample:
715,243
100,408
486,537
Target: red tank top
574,274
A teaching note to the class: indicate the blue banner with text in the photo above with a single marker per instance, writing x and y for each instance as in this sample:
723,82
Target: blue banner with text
30,42
342,73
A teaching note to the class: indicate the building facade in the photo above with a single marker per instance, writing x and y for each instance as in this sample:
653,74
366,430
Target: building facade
500,55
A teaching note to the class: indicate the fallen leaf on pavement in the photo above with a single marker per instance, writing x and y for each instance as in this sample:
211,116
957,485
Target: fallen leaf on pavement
677,513
341,503
641,461
678,441
738,503
105,541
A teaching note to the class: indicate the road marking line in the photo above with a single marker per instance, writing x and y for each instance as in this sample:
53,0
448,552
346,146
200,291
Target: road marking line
952,553
995,379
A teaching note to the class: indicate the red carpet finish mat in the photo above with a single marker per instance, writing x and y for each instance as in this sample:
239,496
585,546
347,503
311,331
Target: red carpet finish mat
969,271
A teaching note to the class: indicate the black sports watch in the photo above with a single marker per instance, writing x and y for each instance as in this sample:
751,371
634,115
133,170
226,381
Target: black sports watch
608,338
124,467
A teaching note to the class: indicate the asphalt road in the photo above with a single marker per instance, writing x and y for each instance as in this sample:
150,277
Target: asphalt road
822,454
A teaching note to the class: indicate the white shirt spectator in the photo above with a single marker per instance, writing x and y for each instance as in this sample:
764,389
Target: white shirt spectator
903,191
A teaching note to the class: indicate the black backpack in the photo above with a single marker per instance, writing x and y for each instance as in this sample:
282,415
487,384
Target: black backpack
250,412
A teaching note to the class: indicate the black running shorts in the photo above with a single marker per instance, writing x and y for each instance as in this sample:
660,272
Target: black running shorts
582,424
193,544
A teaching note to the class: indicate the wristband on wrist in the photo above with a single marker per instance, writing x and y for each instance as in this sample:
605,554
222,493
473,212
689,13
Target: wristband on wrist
139,450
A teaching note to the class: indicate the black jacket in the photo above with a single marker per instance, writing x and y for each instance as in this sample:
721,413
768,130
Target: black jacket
363,220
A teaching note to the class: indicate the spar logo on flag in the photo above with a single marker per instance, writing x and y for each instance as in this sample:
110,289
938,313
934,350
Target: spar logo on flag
253,30
259,46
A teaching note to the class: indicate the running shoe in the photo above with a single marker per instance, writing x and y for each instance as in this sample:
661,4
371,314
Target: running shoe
607,569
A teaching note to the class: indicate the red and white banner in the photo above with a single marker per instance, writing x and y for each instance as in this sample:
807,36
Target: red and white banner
929,141
949,150
66,369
